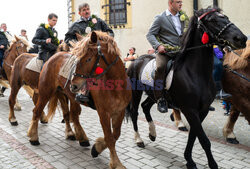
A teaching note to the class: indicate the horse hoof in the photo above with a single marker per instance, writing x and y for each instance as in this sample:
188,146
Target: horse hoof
63,121
152,138
172,117
232,140
84,143
182,128
14,123
141,145
17,108
34,143
71,138
94,153
191,166
43,122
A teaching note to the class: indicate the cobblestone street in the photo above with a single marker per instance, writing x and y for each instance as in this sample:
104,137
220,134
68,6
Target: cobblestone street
166,152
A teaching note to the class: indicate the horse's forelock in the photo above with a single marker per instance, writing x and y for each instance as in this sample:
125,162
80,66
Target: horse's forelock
82,46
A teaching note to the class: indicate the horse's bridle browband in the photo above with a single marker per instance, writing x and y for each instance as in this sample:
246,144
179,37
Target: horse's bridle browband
99,56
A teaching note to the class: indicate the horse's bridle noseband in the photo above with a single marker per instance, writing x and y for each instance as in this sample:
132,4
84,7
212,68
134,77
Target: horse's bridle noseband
99,56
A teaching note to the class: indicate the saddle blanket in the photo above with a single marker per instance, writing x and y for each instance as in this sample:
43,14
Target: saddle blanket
66,68
35,65
148,74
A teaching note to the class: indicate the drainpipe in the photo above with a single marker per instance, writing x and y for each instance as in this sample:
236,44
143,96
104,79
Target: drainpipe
215,3
195,5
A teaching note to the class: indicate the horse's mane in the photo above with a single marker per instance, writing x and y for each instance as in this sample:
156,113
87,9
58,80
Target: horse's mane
239,58
80,48
186,39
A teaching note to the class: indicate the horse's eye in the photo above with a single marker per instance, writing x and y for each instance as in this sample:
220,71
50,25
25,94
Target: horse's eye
89,59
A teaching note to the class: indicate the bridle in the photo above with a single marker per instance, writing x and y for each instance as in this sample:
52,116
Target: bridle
100,55
204,28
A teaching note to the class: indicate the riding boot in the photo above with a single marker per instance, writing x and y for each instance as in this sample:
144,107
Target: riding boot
82,98
221,94
159,92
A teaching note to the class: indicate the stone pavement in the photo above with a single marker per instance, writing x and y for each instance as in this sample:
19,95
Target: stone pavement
166,152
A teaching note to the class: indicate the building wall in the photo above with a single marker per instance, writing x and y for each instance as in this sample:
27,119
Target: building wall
144,11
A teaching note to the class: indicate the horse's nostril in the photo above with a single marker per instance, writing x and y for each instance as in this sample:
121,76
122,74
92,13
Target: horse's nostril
73,87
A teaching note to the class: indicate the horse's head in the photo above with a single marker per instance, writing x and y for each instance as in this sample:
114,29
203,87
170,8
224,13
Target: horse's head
220,29
96,54
18,46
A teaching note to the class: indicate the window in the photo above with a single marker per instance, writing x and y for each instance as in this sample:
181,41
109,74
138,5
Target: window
117,13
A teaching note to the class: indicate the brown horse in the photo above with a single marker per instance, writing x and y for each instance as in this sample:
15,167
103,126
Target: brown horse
113,92
51,88
238,87
17,47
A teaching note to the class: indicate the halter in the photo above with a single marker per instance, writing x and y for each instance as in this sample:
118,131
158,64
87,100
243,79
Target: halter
99,56
203,27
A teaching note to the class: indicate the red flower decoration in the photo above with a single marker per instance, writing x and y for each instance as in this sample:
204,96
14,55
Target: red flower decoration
98,70
205,38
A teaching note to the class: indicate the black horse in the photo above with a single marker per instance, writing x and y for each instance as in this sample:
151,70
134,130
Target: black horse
193,88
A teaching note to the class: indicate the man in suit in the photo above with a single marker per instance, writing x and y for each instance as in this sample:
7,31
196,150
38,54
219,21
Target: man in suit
167,28
46,38
86,24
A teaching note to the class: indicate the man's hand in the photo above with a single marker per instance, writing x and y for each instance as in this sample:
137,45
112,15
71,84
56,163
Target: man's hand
48,40
1,47
161,49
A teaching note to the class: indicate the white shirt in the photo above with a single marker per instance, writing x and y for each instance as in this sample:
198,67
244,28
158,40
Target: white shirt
176,20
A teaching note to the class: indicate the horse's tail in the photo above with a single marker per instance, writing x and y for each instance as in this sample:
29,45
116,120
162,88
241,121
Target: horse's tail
52,106
29,90
128,112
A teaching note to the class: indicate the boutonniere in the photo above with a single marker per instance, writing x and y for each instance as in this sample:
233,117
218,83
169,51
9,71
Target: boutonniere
91,24
183,16
52,34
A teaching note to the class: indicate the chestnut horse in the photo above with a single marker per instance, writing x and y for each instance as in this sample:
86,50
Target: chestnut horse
193,88
238,87
99,64
17,47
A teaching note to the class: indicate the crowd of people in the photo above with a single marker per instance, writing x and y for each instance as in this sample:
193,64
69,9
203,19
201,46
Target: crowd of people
164,35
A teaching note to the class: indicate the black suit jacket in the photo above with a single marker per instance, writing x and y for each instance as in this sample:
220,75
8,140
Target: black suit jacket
80,25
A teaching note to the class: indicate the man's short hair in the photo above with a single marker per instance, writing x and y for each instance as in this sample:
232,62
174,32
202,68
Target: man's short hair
83,5
23,30
3,24
51,15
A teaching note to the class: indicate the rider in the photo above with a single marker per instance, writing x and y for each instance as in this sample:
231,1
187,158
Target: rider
86,24
83,26
166,29
46,38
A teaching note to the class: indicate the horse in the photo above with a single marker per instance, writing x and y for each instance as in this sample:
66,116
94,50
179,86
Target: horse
21,76
17,47
87,53
192,89
238,87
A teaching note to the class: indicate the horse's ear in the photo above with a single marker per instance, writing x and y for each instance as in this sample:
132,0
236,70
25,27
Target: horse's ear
17,39
79,37
93,37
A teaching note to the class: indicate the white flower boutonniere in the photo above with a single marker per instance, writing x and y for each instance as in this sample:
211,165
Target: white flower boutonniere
88,30
55,34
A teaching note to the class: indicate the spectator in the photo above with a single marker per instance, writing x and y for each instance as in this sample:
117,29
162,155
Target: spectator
131,56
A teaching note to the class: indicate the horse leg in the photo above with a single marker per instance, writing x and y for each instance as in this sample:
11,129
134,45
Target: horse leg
146,106
12,101
110,138
176,117
136,98
75,111
43,118
197,130
37,113
69,134
17,106
229,126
